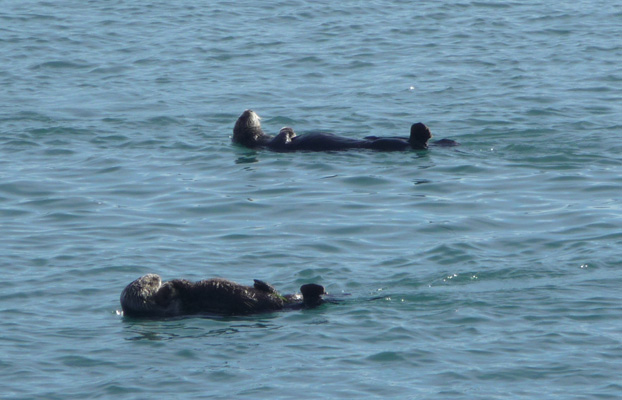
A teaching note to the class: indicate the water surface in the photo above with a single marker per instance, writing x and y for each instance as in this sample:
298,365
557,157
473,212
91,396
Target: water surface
478,272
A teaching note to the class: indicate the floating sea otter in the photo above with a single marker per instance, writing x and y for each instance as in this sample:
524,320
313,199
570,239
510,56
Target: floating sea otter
248,132
148,296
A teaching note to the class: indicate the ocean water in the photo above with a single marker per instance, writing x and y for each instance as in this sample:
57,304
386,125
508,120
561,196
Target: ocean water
487,271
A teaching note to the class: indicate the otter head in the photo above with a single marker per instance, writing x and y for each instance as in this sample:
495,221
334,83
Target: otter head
247,130
419,136
148,297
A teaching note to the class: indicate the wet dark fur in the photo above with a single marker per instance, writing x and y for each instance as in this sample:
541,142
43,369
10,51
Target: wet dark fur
247,132
148,296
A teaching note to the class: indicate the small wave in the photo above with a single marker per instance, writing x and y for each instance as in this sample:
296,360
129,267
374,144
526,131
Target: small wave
60,65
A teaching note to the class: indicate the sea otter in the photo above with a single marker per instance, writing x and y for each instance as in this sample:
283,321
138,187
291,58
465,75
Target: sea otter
148,296
247,132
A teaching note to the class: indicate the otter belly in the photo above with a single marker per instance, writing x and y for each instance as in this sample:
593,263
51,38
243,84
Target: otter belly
319,141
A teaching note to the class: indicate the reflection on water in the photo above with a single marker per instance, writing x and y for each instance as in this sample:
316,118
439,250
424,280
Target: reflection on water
185,328
250,159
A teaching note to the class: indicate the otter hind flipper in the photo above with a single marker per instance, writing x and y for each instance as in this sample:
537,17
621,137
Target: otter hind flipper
312,294
419,136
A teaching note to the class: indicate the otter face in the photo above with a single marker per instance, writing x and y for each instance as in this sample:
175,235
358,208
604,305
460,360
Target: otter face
247,129
253,120
147,296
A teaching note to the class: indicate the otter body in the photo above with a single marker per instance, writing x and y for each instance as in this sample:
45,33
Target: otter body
148,296
320,141
247,132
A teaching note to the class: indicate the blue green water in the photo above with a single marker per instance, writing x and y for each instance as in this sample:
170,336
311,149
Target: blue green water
486,271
